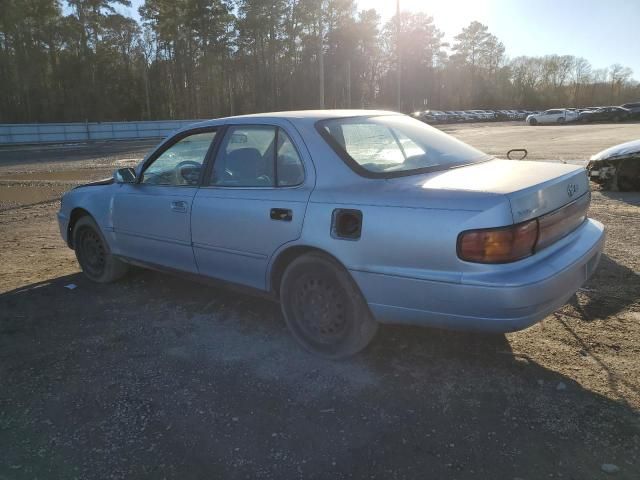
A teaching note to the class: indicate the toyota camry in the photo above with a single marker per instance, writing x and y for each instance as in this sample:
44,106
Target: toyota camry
349,219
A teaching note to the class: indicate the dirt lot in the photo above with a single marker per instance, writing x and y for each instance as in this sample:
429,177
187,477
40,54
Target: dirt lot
158,377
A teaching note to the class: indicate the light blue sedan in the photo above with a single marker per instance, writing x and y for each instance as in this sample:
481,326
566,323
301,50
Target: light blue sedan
349,219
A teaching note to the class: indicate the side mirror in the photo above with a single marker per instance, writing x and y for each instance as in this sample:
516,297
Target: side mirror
125,175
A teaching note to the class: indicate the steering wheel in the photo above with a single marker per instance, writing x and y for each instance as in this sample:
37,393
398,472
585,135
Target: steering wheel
264,180
187,172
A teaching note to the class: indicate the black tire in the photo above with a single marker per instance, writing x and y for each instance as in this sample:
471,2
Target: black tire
324,308
93,253
616,119
561,120
533,122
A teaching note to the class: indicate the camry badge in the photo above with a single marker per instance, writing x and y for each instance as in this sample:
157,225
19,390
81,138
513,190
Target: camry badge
572,188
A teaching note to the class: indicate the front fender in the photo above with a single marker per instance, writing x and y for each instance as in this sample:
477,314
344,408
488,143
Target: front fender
92,199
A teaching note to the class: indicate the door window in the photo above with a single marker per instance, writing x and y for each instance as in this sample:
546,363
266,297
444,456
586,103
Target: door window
257,156
181,163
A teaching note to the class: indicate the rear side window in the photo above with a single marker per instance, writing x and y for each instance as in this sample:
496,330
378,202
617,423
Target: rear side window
257,156
290,171
394,145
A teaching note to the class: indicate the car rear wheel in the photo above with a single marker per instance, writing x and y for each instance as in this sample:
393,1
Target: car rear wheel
93,254
533,121
324,308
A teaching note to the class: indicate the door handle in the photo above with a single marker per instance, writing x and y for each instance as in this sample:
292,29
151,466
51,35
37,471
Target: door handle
179,206
283,214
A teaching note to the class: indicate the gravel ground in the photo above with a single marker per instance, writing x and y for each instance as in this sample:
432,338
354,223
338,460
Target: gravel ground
159,377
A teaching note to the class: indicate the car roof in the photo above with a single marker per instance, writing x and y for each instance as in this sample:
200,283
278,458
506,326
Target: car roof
312,115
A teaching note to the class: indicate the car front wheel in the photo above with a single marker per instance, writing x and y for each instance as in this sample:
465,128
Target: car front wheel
93,254
533,121
324,308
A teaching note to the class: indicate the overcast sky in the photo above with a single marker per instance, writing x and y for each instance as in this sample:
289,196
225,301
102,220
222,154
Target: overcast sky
602,31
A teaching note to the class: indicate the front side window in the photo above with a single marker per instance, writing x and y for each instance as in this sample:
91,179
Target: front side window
181,163
257,156
393,145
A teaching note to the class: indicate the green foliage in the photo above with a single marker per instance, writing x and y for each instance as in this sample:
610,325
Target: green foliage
84,60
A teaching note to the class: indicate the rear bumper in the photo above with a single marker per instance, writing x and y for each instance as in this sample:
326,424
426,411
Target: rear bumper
500,301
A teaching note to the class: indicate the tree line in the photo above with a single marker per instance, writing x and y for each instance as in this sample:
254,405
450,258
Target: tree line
82,60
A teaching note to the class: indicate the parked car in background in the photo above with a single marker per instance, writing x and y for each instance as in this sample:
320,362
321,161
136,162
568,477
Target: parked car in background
349,218
552,116
464,116
453,117
617,168
424,116
441,117
605,114
634,108
490,114
475,116
431,116
481,114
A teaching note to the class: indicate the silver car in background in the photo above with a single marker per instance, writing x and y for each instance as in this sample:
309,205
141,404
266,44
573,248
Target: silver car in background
348,218
552,116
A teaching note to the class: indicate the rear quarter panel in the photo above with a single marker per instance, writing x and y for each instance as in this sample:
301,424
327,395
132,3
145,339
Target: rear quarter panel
399,240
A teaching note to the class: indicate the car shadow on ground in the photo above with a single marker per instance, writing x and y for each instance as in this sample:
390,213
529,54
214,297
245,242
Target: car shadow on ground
632,198
601,297
180,379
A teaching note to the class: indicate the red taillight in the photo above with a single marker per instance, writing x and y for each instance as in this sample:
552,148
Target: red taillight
498,245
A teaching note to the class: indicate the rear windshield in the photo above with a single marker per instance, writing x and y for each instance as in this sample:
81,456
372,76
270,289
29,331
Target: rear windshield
395,145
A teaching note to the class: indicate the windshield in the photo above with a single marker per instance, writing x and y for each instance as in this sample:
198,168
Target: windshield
390,145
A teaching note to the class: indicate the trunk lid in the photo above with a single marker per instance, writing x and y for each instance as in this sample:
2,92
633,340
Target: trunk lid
533,188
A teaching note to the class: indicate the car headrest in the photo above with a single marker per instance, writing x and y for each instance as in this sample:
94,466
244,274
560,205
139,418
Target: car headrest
244,162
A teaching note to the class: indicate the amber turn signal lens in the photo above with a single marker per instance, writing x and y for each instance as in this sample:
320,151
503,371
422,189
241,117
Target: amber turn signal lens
498,245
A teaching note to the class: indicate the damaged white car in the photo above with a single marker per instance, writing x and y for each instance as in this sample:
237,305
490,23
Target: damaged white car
617,168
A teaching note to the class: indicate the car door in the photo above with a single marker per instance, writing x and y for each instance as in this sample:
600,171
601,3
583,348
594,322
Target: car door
151,218
252,202
552,116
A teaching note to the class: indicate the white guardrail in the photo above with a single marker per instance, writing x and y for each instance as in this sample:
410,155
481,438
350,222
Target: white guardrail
83,132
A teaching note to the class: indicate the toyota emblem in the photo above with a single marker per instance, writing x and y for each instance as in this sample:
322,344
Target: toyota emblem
572,188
